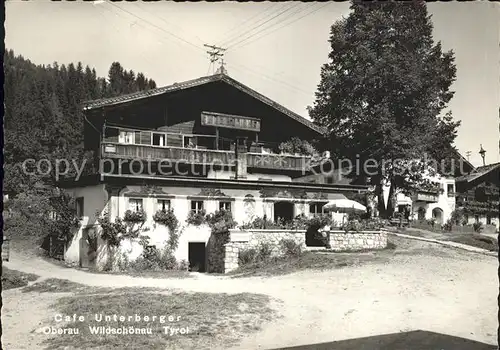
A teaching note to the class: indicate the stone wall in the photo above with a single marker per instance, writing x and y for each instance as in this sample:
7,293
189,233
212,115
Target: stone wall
252,239
342,241
339,240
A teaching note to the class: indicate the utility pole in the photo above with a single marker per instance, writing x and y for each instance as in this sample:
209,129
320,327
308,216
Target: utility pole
216,53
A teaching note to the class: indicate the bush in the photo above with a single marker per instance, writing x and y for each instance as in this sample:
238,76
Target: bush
448,225
264,252
153,258
297,145
135,216
477,226
167,218
247,256
221,221
290,248
196,218
183,265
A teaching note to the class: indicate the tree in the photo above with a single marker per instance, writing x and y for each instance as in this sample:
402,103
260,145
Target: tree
383,93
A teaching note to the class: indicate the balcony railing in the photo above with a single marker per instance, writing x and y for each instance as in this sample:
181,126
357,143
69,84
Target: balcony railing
277,161
426,197
202,156
172,154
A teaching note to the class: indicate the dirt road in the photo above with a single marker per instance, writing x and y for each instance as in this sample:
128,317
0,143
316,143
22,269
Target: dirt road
423,286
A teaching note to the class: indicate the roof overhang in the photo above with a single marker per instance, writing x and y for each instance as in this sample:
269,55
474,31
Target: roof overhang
119,100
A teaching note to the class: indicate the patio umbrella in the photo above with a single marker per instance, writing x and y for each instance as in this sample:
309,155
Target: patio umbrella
344,206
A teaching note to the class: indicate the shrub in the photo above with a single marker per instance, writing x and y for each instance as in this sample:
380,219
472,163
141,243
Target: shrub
477,226
290,248
183,265
448,225
352,225
196,218
264,251
247,256
135,216
373,224
297,145
153,258
221,221
431,222
166,218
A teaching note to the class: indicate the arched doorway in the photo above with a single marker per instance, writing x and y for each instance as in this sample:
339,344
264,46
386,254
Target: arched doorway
283,211
421,213
437,214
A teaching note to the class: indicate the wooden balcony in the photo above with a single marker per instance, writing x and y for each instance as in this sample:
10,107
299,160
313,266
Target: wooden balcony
278,161
202,156
168,154
430,197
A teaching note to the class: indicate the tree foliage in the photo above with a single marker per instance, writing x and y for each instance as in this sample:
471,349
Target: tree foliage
43,114
44,120
383,95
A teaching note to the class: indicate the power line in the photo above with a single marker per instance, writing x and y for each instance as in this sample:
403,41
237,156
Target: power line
283,83
154,25
241,25
287,24
166,22
227,43
118,30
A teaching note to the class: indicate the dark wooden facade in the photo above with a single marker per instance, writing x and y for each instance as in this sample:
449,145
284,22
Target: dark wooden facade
199,125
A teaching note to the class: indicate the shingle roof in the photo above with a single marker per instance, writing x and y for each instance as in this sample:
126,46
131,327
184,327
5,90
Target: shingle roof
95,104
478,172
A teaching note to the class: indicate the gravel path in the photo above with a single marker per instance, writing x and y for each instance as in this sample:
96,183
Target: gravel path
423,286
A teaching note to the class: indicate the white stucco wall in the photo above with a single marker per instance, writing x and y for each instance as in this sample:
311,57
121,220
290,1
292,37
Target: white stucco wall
94,200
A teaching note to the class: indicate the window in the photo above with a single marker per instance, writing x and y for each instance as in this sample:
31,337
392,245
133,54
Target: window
135,204
226,206
196,206
488,219
316,208
159,140
450,189
163,204
79,207
476,217
127,137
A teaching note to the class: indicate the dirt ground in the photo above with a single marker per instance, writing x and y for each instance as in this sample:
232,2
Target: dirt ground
422,286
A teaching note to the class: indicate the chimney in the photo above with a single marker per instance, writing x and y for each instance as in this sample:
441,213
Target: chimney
241,157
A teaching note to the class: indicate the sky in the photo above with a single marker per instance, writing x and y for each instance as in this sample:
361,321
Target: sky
275,48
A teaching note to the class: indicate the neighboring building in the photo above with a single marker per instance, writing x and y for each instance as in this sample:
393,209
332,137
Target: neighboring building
478,194
201,145
436,202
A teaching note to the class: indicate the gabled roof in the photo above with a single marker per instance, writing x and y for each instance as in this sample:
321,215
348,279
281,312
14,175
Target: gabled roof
478,172
95,104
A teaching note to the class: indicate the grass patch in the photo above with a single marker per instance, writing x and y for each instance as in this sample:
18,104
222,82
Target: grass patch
210,320
319,260
55,285
15,279
476,240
